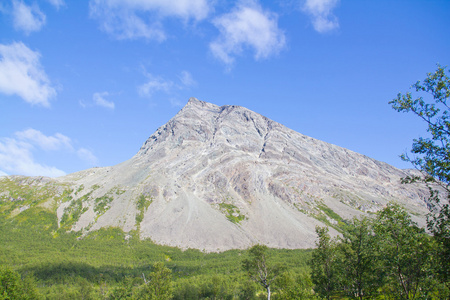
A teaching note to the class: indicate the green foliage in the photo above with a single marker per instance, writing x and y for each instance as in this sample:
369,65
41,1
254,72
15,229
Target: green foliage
329,212
72,213
108,263
101,204
388,255
359,268
143,202
118,191
215,286
66,195
432,156
259,269
159,286
324,266
13,287
38,218
17,195
142,205
404,254
290,285
80,188
432,153
338,224
233,214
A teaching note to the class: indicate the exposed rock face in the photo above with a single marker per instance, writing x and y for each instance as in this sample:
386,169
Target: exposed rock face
218,178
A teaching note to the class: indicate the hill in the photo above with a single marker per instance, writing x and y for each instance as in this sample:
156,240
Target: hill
217,178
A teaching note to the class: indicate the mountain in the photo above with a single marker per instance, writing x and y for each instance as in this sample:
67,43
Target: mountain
217,178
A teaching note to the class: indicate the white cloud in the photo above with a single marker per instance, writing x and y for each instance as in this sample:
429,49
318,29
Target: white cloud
47,143
155,84
27,18
172,89
142,18
99,99
16,157
16,154
22,74
321,13
187,79
247,26
87,156
159,84
3,173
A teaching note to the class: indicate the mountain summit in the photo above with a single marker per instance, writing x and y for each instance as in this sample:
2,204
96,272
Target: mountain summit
217,178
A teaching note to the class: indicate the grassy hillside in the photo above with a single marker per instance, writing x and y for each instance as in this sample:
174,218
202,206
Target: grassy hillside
64,265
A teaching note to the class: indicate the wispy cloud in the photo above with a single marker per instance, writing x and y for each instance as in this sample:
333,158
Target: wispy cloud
22,74
187,79
99,99
16,157
142,19
156,84
17,153
47,143
27,18
87,156
321,13
57,3
247,26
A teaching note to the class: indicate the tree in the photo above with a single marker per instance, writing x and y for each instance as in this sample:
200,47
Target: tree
159,286
290,286
13,287
432,156
324,264
10,284
404,254
358,247
258,269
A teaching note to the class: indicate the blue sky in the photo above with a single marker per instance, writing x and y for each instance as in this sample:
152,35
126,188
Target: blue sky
85,83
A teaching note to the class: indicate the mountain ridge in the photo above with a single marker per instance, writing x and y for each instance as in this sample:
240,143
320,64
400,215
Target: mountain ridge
224,177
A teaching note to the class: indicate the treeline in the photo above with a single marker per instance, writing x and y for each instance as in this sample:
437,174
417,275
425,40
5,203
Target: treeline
384,257
161,283
35,263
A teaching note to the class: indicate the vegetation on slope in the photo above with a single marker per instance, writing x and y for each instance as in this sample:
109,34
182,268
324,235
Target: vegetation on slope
108,261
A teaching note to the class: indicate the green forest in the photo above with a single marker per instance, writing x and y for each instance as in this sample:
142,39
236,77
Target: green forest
384,255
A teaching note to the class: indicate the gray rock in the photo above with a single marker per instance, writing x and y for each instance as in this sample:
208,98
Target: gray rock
226,177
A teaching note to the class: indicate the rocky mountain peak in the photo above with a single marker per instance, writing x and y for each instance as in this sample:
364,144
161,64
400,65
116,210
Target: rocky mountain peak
224,177
206,122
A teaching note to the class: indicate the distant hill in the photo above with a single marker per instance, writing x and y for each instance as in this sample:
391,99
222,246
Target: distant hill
217,178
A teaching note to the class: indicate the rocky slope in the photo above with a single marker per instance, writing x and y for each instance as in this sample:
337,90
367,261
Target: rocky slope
217,178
